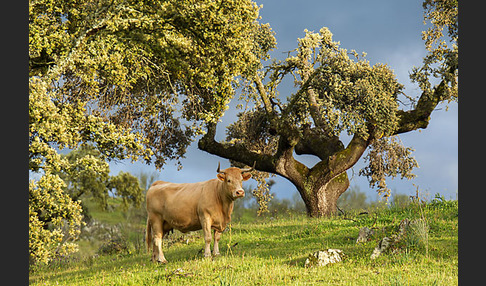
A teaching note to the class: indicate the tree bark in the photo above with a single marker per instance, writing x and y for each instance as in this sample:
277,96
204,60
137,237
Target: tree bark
419,117
321,198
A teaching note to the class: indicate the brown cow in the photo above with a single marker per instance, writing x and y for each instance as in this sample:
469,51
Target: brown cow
193,206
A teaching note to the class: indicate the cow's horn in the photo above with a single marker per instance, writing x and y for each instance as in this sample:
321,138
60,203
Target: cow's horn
249,169
218,171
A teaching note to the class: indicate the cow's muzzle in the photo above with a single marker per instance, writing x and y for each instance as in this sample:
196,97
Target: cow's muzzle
240,193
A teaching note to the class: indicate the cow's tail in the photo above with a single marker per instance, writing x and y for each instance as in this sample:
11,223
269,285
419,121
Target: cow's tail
148,235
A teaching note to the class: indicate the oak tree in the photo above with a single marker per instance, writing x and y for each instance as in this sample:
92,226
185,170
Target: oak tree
340,93
136,79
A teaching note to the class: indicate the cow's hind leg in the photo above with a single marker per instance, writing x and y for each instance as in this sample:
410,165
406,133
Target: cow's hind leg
157,231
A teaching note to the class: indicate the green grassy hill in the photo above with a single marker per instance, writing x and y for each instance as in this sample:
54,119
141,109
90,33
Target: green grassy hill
267,251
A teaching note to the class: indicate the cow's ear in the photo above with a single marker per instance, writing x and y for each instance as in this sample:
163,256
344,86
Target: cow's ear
246,176
221,176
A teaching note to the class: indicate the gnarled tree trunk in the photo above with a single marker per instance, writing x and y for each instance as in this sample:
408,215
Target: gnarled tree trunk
321,200
319,186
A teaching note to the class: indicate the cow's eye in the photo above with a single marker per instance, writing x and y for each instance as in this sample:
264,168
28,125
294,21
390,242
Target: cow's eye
229,180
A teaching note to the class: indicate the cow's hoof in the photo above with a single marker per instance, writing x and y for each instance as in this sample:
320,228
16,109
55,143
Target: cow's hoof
159,261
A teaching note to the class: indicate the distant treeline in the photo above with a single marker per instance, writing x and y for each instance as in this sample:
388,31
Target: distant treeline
351,200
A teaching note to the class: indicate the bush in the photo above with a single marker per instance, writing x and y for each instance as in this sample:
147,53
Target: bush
418,234
54,220
353,199
116,245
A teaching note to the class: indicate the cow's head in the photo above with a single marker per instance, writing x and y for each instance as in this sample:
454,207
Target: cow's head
233,178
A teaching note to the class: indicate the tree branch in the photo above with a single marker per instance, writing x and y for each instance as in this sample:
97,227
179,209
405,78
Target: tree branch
316,113
345,159
419,117
281,163
303,88
263,95
236,152
313,142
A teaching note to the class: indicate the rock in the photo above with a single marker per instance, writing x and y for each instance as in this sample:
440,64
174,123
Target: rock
406,228
364,234
403,228
382,246
322,258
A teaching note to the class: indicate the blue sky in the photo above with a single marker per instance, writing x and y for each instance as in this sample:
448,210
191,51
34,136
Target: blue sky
389,31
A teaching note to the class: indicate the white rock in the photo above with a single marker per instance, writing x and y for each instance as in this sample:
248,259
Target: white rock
324,257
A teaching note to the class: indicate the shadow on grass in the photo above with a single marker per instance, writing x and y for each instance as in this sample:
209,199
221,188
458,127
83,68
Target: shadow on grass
86,268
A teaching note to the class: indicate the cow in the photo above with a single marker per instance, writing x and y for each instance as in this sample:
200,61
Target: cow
193,206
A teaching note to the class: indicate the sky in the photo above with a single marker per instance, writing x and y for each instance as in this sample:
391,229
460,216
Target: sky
389,31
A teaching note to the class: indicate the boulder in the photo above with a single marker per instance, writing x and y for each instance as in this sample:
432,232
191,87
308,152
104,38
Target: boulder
324,257
382,246
364,234
403,228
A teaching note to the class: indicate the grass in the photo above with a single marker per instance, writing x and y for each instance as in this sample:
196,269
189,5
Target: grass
269,251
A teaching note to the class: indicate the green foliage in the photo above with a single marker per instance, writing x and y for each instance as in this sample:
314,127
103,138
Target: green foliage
54,219
127,187
135,79
350,92
442,59
351,95
55,201
262,192
87,173
353,199
146,65
52,124
388,157
253,129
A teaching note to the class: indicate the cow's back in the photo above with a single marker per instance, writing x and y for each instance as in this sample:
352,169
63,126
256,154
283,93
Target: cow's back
176,204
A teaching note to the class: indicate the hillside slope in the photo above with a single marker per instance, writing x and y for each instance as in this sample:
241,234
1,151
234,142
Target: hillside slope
272,252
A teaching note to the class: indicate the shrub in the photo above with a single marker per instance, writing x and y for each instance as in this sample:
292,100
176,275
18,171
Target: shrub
116,245
418,234
54,220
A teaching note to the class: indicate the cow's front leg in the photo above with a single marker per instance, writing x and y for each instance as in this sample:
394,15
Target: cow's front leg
217,237
206,226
